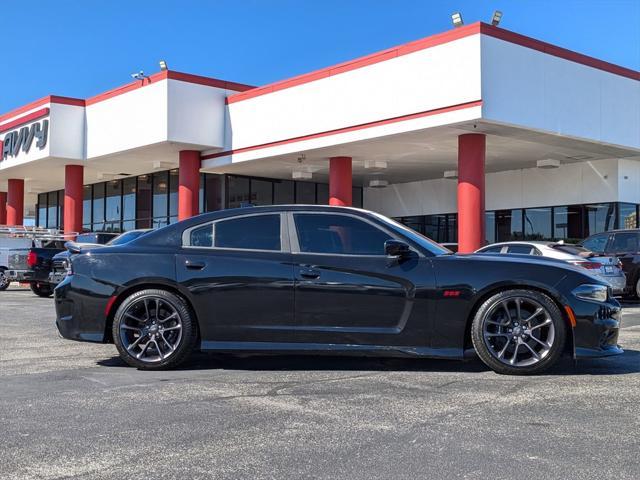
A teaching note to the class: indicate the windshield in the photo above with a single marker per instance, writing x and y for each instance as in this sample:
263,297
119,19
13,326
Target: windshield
126,237
424,242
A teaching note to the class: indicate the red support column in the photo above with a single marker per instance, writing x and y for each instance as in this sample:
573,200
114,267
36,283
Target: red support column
15,202
73,196
3,208
188,184
471,157
340,181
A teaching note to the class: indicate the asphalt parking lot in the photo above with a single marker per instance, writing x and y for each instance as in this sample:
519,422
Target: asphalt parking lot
74,411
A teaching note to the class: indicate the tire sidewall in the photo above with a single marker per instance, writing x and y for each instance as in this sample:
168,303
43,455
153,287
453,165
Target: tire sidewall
496,365
4,282
189,330
43,290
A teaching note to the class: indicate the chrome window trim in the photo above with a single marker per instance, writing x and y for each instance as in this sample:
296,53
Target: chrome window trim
284,237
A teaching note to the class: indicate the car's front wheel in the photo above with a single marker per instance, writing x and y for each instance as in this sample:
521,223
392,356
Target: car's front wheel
43,290
519,332
4,281
154,329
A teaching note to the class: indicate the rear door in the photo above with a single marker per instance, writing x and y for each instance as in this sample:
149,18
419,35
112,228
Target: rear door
239,274
348,291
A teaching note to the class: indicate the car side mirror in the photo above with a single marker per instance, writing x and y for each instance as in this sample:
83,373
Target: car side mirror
396,248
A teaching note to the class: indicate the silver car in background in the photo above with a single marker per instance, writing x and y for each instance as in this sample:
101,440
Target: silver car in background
607,268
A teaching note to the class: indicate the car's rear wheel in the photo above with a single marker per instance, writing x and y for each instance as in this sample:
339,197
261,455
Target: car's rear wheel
4,281
41,289
519,332
154,329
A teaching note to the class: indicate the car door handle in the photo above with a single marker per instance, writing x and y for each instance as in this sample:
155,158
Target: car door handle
309,273
191,265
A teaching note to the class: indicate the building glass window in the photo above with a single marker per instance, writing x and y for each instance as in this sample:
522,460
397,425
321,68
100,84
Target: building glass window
322,192
567,223
98,207
52,210
490,227
143,202
627,215
356,195
283,192
160,199
213,192
306,193
537,223
60,209
174,185
238,191
42,210
508,225
129,204
113,208
599,218
416,223
436,227
261,192
87,194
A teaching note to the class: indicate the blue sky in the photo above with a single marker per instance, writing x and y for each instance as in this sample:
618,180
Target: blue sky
80,48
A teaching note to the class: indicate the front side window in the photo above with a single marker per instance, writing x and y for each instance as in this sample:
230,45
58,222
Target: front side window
338,234
596,243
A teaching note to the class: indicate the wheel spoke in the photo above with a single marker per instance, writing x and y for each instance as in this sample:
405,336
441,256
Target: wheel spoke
505,306
487,334
135,344
544,344
157,309
546,322
155,343
143,351
139,320
538,311
127,327
175,327
504,349
533,352
171,347
170,317
515,353
518,310
146,309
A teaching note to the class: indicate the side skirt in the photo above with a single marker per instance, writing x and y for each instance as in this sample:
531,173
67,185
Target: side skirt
333,349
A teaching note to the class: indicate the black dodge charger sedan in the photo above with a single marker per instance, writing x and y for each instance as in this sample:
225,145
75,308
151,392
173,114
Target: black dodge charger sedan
315,279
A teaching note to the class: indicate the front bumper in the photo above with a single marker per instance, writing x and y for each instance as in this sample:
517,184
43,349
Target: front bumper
597,328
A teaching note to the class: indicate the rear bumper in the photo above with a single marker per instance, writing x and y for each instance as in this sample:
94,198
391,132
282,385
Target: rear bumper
80,314
618,283
19,275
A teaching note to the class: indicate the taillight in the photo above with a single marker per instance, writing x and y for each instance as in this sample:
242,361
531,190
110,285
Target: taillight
589,265
32,259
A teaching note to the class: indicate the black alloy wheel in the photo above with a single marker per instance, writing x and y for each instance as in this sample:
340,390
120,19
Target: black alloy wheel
4,281
154,329
519,332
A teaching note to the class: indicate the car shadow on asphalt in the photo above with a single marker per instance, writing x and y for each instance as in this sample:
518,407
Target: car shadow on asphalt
627,363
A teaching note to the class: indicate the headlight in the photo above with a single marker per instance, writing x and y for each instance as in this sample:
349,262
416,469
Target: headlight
593,293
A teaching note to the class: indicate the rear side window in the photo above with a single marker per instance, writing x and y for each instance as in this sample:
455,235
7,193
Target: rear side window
521,249
597,243
496,249
202,236
338,234
256,232
626,242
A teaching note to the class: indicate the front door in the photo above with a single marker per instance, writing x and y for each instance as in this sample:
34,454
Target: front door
240,277
348,292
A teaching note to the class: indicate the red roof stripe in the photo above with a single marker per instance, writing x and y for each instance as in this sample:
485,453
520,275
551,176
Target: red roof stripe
26,119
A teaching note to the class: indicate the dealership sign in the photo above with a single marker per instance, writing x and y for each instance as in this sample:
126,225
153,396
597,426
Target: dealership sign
22,139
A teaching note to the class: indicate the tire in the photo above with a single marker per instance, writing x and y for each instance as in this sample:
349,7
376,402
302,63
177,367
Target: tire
43,290
154,330
4,281
506,322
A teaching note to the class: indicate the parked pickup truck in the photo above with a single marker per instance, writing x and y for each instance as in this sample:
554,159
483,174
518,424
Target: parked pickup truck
35,265
32,265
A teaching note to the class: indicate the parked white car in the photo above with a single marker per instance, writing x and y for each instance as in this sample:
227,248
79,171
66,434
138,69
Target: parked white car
607,268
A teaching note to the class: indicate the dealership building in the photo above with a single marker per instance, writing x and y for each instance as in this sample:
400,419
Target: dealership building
474,135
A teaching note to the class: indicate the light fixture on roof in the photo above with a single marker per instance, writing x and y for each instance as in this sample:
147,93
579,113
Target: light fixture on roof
548,163
375,164
451,174
163,66
139,76
456,18
378,183
497,16
301,175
